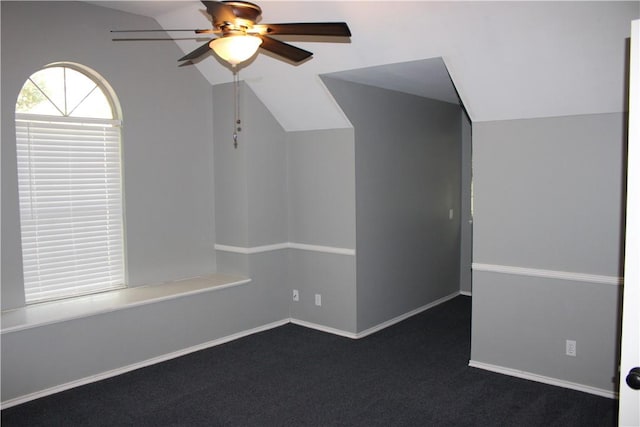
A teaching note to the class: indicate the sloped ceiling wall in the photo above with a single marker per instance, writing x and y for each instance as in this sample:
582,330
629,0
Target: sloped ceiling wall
427,78
508,60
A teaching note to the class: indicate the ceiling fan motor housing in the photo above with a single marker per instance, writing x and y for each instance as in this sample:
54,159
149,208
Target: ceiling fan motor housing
245,11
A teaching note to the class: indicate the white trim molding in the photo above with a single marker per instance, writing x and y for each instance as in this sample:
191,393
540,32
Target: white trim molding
375,328
405,316
251,250
287,245
323,328
548,274
543,379
324,249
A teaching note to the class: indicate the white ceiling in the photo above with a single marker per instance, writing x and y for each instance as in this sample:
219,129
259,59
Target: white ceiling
143,7
508,60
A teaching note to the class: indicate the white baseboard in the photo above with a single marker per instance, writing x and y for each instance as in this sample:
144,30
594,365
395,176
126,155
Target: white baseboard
323,328
405,316
118,371
465,293
542,379
378,327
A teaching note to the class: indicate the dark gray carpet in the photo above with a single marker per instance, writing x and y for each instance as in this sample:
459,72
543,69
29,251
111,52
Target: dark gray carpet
412,374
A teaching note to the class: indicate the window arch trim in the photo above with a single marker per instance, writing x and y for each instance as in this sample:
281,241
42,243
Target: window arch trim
101,84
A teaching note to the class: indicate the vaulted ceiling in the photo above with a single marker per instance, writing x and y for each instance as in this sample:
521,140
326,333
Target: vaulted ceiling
508,60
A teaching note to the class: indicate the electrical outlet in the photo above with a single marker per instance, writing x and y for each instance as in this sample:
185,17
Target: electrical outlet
318,300
570,348
296,295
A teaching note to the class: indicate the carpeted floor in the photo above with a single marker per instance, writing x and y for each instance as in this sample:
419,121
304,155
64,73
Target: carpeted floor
412,374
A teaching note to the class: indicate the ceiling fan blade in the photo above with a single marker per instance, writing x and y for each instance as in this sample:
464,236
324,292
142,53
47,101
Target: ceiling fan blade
212,31
158,31
219,11
287,51
340,29
146,39
197,52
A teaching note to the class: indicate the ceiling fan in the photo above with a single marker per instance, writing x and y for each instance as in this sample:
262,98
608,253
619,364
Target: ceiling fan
239,35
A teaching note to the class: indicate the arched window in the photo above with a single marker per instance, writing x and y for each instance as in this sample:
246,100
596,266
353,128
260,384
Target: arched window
69,183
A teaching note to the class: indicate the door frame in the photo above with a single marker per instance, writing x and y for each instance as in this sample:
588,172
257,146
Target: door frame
629,405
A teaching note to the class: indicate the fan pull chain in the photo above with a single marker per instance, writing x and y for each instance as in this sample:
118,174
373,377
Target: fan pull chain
236,119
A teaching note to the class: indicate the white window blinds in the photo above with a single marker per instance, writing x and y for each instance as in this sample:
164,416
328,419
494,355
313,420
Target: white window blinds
69,183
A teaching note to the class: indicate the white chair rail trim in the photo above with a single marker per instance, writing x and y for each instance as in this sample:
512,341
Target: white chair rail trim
287,245
549,274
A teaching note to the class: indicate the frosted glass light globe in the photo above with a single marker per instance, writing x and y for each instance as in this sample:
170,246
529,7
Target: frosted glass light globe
235,49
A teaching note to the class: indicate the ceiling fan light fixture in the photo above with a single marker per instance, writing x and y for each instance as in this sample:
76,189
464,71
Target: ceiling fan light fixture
235,48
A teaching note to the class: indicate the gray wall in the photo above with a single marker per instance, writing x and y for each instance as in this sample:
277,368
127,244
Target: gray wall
280,187
548,195
321,175
561,205
166,136
251,197
250,180
407,167
321,182
230,171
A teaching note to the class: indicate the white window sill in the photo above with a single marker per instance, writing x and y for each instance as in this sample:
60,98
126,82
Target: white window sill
48,313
